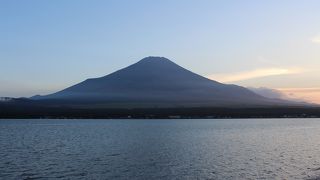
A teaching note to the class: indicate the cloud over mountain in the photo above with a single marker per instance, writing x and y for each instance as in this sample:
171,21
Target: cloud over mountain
256,73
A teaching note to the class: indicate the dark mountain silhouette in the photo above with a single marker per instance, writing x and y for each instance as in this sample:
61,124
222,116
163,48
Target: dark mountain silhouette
157,82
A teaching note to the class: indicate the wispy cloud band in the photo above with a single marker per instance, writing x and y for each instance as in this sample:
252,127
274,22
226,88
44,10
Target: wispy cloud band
252,74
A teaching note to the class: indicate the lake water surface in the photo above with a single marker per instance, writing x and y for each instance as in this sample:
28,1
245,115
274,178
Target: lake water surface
160,149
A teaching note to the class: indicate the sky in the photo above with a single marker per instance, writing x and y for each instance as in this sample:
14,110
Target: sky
46,46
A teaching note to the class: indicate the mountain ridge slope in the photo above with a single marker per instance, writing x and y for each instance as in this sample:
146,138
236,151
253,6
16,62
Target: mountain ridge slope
157,81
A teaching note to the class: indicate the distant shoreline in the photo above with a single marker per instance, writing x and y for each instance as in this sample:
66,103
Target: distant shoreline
57,118
45,112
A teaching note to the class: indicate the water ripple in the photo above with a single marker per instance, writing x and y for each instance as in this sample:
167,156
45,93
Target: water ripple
160,149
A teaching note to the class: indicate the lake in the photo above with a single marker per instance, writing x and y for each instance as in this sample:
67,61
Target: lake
160,149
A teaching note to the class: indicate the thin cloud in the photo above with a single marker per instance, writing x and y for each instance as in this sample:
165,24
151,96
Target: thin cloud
311,95
300,89
316,39
307,94
257,73
268,92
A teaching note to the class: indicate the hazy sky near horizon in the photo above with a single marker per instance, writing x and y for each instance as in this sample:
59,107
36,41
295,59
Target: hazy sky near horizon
46,46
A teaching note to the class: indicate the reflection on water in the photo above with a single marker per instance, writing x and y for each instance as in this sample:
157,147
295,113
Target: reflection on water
160,149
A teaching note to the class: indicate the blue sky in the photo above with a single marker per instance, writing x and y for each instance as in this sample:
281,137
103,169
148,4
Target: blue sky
46,46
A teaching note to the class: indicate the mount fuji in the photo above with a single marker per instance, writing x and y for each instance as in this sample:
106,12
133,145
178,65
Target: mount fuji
157,82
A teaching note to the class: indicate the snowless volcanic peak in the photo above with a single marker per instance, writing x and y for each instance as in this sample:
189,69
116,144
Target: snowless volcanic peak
158,82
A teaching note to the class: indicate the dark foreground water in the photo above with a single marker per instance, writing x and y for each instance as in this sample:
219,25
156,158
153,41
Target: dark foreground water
160,149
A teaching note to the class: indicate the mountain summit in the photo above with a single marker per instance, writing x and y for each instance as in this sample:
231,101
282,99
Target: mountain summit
157,82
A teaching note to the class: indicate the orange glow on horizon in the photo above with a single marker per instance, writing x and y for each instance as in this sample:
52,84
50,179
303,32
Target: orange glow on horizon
307,94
